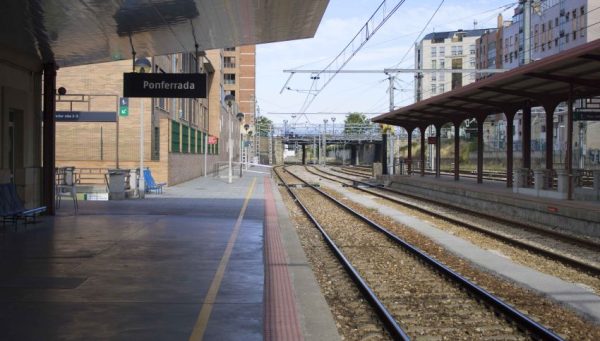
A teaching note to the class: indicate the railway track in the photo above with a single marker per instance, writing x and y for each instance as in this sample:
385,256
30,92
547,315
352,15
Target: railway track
413,294
572,251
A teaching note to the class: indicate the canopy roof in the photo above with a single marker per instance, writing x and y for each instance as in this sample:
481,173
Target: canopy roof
74,32
544,82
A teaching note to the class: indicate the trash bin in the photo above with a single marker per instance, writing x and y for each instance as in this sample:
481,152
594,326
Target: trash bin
116,183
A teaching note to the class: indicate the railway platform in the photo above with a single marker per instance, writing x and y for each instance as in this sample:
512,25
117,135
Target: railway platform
205,260
494,198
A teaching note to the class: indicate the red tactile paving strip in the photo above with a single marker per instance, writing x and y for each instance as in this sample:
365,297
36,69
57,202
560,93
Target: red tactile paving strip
281,320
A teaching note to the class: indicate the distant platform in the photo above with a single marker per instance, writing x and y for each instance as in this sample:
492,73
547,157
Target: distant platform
494,198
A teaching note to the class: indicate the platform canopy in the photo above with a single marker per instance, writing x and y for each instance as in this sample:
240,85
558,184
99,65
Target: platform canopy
544,82
75,32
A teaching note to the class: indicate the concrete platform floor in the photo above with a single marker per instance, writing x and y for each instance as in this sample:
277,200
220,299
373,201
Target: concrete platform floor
188,264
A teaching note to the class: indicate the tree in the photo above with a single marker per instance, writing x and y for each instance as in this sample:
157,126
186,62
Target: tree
263,126
355,122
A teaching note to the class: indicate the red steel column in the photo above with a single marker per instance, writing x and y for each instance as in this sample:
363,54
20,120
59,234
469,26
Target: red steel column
409,150
438,149
423,150
480,121
510,115
49,133
569,156
549,108
457,151
526,129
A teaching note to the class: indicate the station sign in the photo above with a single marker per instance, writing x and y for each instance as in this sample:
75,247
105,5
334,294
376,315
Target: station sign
586,115
164,85
432,140
212,140
85,116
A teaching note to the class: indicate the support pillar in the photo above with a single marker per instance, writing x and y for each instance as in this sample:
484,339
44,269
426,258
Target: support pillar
303,154
384,151
569,156
353,154
480,121
409,150
423,150
49,134
456,151
526,129
549,108
438,150
509,115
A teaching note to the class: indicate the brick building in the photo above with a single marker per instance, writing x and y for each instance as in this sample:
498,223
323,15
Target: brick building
175,130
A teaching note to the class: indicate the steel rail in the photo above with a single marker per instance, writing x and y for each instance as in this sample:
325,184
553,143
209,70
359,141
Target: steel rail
590,268
537,330
386,317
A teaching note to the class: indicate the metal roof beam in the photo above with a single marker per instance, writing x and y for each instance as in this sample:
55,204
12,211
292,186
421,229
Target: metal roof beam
570,80
459,110
591,57
516,93
493,104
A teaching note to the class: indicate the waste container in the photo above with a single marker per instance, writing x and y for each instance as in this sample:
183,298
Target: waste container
116,183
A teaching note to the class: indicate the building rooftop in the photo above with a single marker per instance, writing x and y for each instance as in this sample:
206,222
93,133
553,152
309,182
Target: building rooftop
449,34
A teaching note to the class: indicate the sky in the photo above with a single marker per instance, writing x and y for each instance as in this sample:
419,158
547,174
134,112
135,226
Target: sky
391,46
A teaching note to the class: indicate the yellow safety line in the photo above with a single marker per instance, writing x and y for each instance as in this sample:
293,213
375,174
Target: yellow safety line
202,321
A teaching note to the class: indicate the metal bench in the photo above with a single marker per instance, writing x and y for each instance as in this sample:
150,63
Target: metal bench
12,208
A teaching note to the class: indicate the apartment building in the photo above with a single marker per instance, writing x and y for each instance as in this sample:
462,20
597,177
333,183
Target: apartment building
445,50
239,73
556,25
183,138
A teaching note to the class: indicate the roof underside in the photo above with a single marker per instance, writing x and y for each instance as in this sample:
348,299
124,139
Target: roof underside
75,32
542,83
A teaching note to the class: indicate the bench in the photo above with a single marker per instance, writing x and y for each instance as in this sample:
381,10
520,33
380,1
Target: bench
11,206
150,184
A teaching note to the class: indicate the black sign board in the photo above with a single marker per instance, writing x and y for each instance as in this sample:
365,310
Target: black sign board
586,115
165,85
85,116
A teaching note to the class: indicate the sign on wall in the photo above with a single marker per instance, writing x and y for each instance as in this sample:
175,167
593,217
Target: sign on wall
164,85
85,116
123,106
581,114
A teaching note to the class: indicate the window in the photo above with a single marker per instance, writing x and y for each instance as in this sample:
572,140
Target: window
442,63
228,62
433,77
441,88
472,61
574,35
230,92
555,42
229,49
556,22
574,13
229,78
442,51
471,49
185,138
582,10
567,16
193,141
434,64
433,89
175,137
433,51
442,76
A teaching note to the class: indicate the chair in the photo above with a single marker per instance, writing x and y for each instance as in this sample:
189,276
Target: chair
12,208
150,184
65,186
